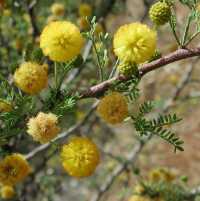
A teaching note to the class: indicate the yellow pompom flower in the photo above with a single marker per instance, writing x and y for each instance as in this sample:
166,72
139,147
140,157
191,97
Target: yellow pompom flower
134,42
85,10
161,174
61,41
58,9
113,108
7,192
31,77
139,198
43,127
80,157
5,106
13,169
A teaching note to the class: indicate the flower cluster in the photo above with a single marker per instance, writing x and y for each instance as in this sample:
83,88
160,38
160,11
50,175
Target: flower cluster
31,77
80,157
58,9
61,41
135,43
44,127
7,192
113,108
13,169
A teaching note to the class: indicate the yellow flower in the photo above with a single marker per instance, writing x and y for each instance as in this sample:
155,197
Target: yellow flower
7,192
161,174
44,127
139,198
134,42
85,10
80,157
7,12
31,77
61,41
58,9
13,169
113,108
5,106
139,189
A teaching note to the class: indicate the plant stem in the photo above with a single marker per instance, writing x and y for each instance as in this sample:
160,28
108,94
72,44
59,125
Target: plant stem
98,60
174,33
192,37
187,26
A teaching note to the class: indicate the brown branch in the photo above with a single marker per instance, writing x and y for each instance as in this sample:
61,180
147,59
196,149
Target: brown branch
99,89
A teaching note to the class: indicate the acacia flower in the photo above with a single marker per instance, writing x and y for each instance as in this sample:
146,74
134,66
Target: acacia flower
58,9
85,10
61,41
7,192
80,157
31,77
43,127
135,43
161,174
113,108
13,169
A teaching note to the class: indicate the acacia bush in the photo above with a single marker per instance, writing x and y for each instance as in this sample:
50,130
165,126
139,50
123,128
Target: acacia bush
71,86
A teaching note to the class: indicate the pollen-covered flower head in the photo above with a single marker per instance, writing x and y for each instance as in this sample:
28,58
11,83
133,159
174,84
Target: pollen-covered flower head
80,157
61,41
85,10
31,77
13,169
43,127
113,108
5,106
7,192
58,9
161,174
134,43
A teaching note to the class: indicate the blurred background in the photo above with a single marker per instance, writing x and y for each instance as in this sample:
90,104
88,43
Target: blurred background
174,88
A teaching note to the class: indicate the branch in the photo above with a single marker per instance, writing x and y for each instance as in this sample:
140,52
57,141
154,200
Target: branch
139,146
99,89
118,170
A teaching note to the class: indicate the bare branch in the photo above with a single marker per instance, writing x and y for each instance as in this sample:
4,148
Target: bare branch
178,55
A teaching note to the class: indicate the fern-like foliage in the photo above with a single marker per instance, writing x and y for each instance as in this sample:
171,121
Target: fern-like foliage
129,88
168,191
157,126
